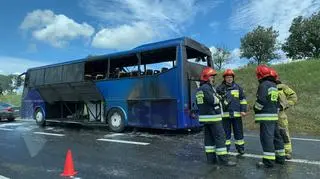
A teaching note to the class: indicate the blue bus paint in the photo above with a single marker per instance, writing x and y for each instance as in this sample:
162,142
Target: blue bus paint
157,101
30,103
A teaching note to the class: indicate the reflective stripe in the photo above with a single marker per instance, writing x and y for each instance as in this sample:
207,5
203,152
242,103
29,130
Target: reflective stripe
228,142
235,93
235,114
221,151
226,114
270,90
216,100
266,117
210,149
210,118
239,142
258,106
269,155
244,101
280,152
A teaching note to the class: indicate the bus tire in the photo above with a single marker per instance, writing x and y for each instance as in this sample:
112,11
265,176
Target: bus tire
39,117
116,120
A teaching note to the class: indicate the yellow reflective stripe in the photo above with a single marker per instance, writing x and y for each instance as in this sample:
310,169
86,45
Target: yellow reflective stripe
210,118
243,101
258,106
210,149
221,151
269,155
235,93
236,114
280,152
226,114
239,142
266,117
228,142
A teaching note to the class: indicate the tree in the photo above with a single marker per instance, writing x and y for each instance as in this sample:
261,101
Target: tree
304,38
260,45
220,56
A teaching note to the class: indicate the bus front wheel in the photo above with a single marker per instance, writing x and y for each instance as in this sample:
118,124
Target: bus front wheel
116,120
39,117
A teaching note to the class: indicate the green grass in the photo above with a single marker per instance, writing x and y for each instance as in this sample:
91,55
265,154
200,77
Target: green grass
12,99
304,78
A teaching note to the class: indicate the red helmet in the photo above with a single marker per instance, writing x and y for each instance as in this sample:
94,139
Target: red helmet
263,71
274,74
228,72
206,73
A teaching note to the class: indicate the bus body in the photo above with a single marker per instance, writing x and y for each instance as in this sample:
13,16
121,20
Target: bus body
150,86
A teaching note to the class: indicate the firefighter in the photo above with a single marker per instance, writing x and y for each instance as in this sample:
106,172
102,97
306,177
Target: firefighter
210,114
287,99
234,107
266,114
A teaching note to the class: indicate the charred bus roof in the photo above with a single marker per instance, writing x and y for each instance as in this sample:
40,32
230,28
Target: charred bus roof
185,41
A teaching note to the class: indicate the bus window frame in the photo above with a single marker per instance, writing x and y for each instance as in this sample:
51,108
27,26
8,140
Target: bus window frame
138,55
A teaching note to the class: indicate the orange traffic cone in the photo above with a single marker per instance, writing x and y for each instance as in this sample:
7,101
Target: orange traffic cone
68,166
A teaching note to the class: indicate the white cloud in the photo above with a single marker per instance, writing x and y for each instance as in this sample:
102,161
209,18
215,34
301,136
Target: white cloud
161,19
13,65
249,14
55,29
124,36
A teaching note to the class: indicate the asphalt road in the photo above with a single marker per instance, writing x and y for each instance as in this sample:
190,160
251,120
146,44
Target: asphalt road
28,151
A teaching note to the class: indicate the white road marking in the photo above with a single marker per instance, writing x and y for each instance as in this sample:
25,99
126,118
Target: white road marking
294,138
124,141
51,134
292,160
113,135
11,124
6,129
3,177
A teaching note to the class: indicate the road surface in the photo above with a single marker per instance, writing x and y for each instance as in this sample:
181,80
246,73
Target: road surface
28,151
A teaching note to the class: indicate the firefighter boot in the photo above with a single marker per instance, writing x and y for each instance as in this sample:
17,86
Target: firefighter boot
212,158
223,160
288,156
266,163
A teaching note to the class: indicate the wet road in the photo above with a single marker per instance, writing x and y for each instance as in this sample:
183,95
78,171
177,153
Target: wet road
31,152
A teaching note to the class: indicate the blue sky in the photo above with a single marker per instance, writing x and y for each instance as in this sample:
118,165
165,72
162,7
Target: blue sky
44,32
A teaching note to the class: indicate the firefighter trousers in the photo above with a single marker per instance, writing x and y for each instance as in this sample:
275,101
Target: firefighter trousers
235,125
214,141
284,131
272,143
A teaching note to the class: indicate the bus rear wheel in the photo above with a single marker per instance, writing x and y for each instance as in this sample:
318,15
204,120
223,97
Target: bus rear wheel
116,120
39,117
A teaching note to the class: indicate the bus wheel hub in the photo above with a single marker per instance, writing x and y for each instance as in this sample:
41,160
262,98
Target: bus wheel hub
116,120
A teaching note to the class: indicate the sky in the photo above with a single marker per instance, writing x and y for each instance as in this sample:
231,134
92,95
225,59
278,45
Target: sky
37,32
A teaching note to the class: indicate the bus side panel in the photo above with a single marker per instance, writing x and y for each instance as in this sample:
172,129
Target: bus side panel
31,99
189,89
149,101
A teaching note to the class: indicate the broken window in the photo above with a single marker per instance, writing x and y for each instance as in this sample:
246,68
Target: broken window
96,69
158,61
124,66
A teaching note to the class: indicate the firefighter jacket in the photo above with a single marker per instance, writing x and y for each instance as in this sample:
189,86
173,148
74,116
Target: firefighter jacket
234,100
287,97
208,104
266,105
